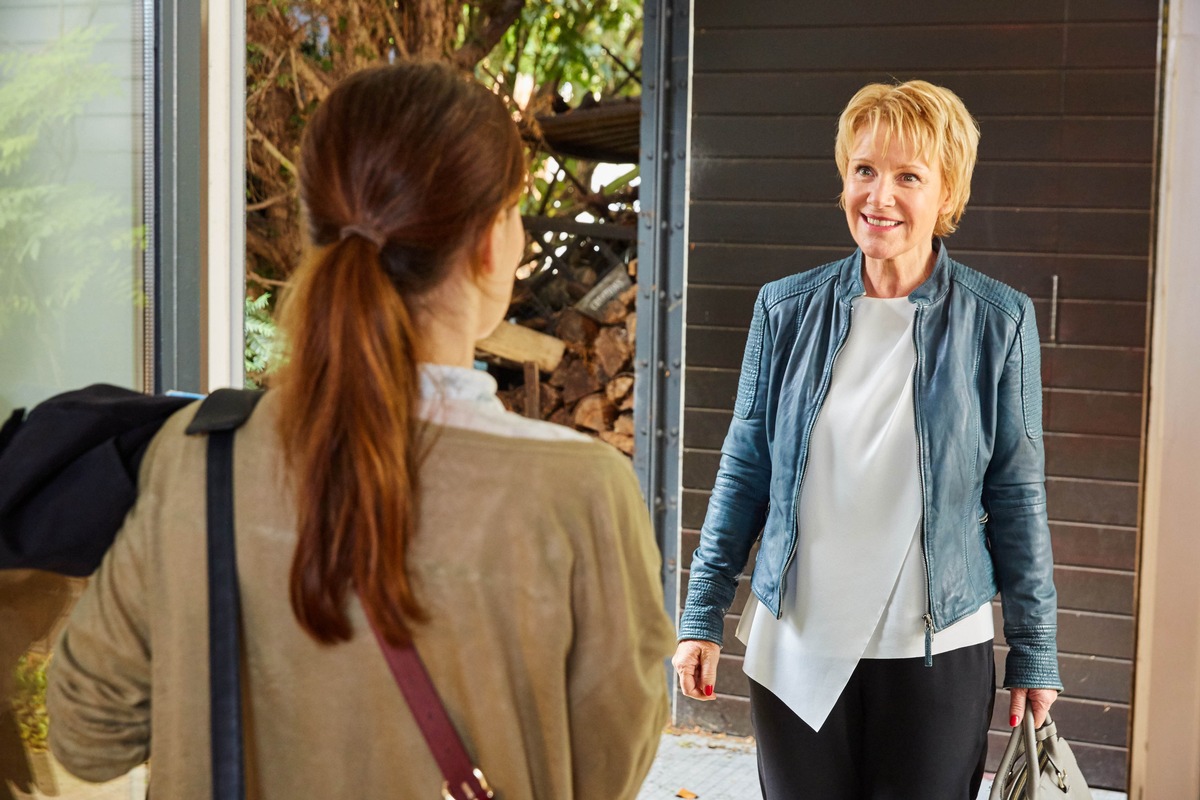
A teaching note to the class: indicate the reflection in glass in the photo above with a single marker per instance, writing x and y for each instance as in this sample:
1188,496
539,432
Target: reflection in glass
71,230
71,299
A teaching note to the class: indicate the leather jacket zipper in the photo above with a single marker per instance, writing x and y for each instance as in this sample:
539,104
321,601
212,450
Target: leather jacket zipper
928,618
845,334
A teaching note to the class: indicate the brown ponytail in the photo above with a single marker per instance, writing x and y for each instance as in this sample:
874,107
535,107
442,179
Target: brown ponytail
401,167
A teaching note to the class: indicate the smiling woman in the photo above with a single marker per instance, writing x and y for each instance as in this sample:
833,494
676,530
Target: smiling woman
903,182
890,453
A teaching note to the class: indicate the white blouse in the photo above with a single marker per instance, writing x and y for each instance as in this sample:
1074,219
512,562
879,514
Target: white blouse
856,587
459,397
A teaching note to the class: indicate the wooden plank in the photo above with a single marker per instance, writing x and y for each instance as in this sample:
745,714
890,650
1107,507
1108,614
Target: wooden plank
1106,414
875,47
692,508
770,132
521,344
1084,456
1087,589
1113,10
533,393
705,428
1115,92
1117,232
723,305
1134,44
1117,369
715,347
1079,321
1085,545
1025,185
1080,277
986,94
778,13
1102,323
712,388
1063,366
1095,502
700,468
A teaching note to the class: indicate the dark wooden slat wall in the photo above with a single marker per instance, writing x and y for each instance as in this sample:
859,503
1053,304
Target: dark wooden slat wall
1065,96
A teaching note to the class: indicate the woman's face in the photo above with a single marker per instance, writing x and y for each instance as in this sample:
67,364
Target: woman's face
892,199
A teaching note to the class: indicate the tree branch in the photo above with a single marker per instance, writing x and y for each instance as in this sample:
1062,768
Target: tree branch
270,201
251,275
270,147
314,79
390,18
480,42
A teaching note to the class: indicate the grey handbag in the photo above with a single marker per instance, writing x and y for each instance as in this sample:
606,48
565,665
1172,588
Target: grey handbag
1057,774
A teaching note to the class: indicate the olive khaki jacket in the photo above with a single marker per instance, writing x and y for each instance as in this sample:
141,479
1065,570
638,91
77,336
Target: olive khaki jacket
534,559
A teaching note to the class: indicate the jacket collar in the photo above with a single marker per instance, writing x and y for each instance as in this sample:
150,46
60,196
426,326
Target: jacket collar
850,281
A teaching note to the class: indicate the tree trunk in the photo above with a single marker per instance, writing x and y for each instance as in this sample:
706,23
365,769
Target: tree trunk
428,28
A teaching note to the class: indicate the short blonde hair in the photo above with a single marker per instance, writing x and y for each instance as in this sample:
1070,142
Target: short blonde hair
932,119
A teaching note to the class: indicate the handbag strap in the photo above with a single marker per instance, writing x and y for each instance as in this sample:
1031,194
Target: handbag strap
219,416
462,779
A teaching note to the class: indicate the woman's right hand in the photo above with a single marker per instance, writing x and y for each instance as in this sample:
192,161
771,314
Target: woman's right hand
695,663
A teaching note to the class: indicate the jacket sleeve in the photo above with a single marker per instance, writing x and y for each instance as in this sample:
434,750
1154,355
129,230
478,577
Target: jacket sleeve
737,507
1014,495
616,670
98,693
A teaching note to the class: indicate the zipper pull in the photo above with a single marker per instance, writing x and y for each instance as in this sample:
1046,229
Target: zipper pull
928,640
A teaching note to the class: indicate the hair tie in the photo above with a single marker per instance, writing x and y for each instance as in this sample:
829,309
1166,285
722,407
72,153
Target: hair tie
370,234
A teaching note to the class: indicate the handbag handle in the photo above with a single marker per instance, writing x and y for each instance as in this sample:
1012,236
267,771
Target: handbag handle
1024,739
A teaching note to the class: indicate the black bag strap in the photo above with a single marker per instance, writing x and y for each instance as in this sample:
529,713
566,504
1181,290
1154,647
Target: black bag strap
219,416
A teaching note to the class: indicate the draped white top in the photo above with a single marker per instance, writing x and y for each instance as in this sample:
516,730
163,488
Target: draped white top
857,585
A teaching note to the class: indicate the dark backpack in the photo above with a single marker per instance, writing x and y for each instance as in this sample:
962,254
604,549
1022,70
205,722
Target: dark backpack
69,470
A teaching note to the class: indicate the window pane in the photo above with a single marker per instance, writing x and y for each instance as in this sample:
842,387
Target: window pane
71,295
71,178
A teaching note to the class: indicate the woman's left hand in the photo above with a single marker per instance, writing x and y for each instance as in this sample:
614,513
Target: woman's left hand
1039,700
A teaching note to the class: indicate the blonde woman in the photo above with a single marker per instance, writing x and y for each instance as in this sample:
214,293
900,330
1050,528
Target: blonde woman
887,444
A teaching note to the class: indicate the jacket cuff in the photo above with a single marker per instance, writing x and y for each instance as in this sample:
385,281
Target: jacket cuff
1032,661
703,614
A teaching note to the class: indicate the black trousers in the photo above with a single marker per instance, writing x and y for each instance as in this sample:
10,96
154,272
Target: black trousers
900,731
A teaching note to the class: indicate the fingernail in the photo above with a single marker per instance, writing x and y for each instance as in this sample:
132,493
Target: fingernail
708,691
1012,721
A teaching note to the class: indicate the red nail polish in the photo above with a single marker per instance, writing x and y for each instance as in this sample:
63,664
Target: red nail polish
708,691
1012,721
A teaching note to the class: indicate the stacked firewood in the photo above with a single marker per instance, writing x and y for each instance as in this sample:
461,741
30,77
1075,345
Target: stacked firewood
578,368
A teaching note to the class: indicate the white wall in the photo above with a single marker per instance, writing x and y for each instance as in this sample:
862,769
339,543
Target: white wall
1165,756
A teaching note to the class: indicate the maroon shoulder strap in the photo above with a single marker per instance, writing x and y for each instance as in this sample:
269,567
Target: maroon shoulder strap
463,780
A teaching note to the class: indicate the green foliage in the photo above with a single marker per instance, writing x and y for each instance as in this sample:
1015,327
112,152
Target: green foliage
571,47
29,700
260,339
572,53
42,214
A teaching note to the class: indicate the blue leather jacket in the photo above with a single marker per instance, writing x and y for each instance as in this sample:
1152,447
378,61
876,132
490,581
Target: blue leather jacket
978,411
